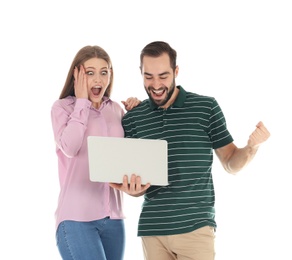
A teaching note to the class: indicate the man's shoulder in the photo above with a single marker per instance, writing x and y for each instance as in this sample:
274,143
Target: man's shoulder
138,109
198,96
195,98
141,107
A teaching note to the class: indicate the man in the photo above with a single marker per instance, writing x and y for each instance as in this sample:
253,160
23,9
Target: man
178,221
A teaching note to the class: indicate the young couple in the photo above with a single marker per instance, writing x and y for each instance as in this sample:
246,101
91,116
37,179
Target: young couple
177,221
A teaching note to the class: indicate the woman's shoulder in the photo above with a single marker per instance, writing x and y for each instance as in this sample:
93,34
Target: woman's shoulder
67,101
114,103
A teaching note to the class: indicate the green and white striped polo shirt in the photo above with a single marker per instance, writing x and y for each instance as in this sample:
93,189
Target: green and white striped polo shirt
193,126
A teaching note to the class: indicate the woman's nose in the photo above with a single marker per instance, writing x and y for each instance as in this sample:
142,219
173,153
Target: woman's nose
96,78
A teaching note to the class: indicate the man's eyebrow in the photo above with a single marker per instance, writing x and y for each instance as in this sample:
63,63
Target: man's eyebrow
164,73
161,74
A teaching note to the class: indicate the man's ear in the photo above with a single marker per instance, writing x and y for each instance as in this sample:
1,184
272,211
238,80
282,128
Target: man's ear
176,71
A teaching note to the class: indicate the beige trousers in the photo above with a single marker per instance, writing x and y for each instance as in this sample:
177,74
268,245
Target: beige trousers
196,245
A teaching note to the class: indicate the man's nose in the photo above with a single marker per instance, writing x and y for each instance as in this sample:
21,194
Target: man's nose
156,83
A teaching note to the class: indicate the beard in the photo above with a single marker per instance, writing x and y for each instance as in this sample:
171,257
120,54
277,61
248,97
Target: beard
169,91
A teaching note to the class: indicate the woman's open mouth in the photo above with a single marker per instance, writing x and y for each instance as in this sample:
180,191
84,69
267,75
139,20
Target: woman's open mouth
96,90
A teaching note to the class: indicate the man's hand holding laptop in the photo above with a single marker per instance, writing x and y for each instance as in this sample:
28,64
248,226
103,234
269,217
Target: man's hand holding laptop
133,188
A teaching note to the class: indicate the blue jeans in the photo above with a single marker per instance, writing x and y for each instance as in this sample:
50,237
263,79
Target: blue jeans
102,239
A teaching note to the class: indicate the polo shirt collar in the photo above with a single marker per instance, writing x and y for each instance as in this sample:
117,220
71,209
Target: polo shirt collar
179,102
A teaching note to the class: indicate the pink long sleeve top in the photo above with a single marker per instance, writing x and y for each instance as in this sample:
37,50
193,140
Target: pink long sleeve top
79,198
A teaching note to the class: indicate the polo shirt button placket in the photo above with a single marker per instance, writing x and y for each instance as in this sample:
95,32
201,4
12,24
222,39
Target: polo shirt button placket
164,118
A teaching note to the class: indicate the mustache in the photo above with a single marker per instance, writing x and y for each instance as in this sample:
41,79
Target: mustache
152,88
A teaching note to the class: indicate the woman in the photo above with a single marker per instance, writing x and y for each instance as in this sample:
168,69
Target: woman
89,216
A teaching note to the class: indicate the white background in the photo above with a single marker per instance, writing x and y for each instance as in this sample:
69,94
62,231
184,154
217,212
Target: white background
237,51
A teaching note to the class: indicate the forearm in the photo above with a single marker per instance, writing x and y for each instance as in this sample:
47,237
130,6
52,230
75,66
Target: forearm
234,159
240,158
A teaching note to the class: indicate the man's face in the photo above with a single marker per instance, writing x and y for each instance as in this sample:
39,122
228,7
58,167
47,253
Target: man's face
159,78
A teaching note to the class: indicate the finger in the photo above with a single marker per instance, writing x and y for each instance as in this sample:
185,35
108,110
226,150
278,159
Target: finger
125,183
262,131
129,99
132,103
259,124
144,187
129,107
257,137
138,183
82,75
147,186
133,183
75,73
125,105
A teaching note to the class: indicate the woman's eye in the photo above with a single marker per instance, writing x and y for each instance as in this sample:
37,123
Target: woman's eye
104,72
89,73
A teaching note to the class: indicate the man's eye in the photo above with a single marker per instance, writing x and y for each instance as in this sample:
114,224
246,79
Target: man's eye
163,77
148,78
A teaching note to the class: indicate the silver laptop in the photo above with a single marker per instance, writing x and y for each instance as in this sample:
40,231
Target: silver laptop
110,158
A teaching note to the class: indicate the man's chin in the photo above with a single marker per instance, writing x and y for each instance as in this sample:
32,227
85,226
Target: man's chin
159,102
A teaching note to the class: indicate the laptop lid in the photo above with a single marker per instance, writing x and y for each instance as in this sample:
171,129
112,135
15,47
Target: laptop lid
110,158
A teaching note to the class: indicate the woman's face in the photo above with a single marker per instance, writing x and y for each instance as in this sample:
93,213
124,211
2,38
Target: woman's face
98,78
